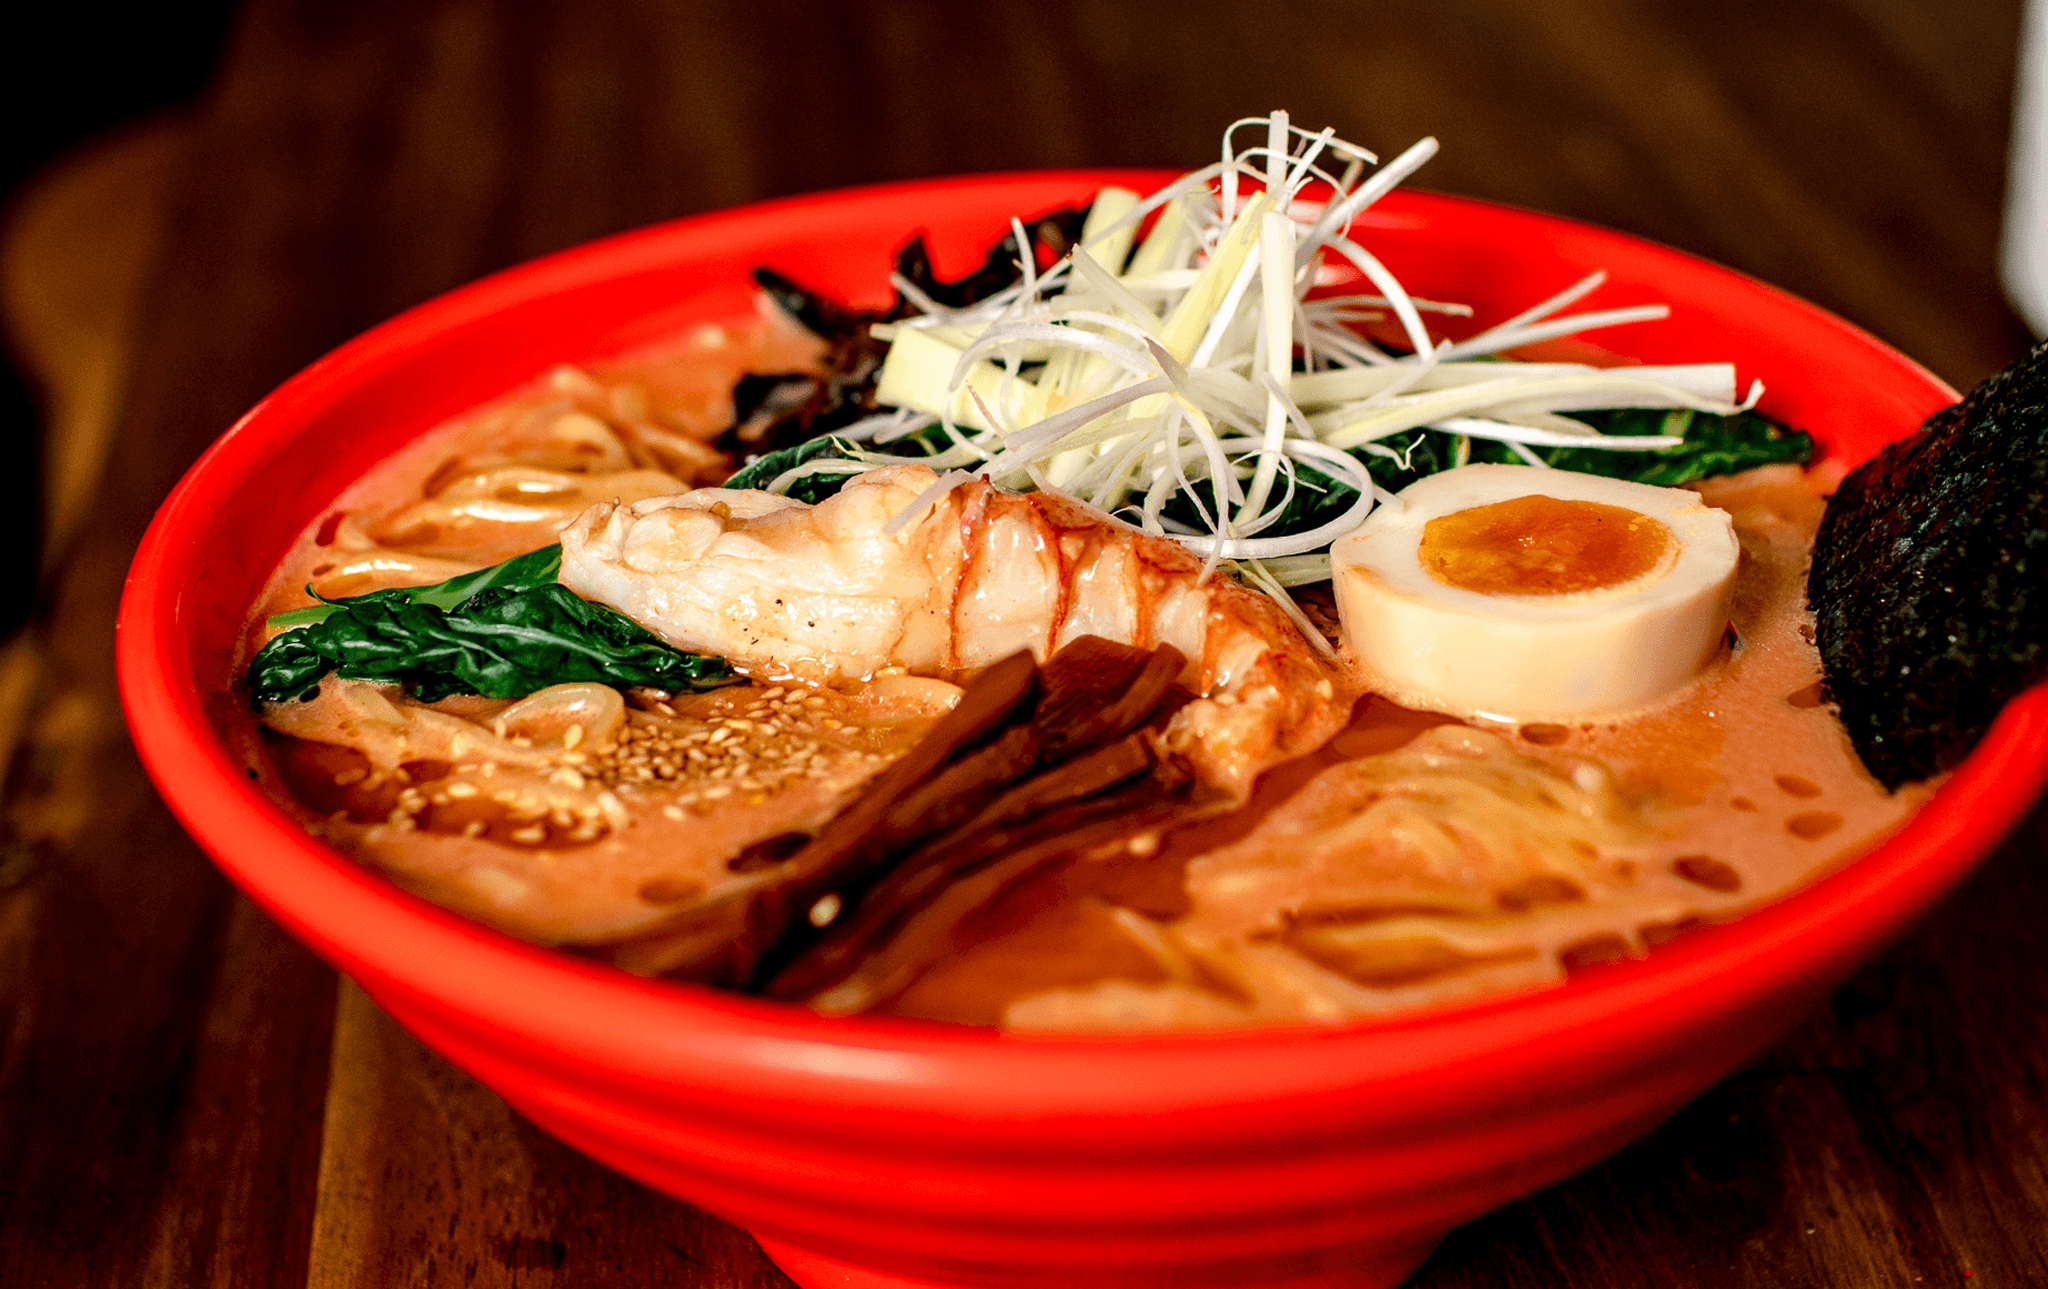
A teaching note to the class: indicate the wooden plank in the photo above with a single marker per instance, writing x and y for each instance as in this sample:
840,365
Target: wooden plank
155,1124
428,1179
235,1208
159,1127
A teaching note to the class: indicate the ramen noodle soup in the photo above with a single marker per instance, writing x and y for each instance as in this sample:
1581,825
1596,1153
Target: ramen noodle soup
1147,641
1400,859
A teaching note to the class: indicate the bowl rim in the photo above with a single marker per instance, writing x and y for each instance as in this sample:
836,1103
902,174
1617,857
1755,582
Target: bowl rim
659,1037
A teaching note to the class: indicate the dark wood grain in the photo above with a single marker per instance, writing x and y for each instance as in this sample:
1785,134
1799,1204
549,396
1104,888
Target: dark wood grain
429,1179
183,1101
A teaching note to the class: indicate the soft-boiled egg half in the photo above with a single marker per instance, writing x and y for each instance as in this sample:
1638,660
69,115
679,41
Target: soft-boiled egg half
1534,594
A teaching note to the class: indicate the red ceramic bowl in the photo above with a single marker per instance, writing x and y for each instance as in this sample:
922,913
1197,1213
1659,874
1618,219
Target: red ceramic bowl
874,1152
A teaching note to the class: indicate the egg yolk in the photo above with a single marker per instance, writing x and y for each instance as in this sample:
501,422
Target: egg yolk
1539,545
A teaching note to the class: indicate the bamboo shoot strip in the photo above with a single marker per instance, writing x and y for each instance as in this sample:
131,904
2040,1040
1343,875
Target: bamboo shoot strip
930,932
1095,692
957,790
910,883
1092,691
1073,715
723,942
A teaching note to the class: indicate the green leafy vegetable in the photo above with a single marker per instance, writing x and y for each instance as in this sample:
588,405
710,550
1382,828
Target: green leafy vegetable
813,486
503,632
1714,445
521,572
835,460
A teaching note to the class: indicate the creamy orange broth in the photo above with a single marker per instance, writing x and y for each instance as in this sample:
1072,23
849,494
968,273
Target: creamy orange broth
1413,860
578,845
1744,787
498,480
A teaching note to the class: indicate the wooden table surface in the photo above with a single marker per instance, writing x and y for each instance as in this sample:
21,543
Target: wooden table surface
187,1097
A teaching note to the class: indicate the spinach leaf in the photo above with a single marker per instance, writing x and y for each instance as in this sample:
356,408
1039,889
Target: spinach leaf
503,632
1714,445
1319,498
521,572
1416,453
812,488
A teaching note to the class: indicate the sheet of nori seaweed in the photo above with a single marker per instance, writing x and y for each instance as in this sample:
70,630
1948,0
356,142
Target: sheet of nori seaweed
1929,584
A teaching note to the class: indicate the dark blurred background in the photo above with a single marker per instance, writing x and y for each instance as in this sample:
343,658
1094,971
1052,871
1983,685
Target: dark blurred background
1849,150
72,72
1864,139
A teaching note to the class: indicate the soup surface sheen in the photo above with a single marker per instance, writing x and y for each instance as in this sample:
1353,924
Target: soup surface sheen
1412,859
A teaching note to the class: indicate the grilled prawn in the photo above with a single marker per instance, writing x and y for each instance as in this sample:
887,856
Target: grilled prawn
838,589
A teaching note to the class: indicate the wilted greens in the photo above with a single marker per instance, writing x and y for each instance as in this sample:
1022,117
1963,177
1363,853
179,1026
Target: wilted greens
1714,445
503,632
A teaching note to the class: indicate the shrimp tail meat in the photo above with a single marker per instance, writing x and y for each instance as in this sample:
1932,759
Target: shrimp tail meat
883,575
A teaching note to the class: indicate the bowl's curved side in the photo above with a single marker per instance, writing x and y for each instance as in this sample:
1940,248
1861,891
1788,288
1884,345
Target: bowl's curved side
1381,1159
1333,1184
958,1151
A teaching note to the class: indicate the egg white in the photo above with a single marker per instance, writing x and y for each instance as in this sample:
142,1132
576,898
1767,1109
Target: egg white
1533,657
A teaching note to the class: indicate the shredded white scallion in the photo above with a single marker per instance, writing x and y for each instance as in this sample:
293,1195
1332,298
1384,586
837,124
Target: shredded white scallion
1185,368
